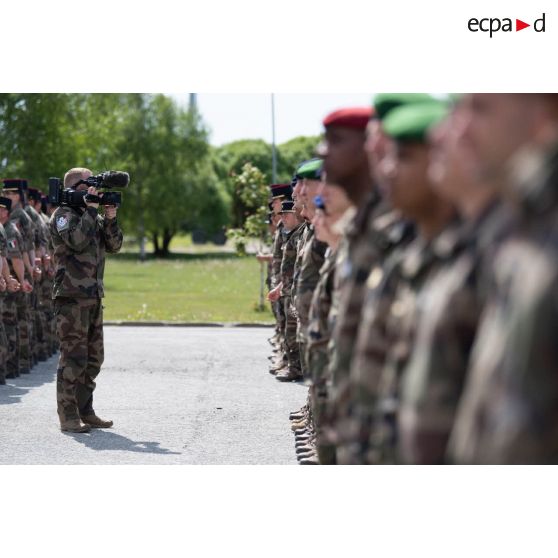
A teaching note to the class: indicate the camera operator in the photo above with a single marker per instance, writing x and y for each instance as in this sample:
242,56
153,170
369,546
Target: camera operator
80,238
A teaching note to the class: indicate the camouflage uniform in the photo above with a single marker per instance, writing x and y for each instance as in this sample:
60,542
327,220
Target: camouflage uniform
317,354
312,254
369,240
287,273
47,305
453,299
279,311
508,412
80,239
39,344
3,337
11,324
20,219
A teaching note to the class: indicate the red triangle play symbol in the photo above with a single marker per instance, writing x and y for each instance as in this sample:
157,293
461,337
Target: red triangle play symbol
519,25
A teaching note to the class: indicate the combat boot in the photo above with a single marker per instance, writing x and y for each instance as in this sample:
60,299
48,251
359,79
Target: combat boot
313,460
96,422
74,426
289,375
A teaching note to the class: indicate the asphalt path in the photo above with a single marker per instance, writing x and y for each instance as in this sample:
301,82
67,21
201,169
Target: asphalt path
176,396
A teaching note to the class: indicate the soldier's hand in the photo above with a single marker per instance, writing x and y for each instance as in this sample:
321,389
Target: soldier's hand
37,273
3,285
110,212
93,191
13,284
26,287
274,294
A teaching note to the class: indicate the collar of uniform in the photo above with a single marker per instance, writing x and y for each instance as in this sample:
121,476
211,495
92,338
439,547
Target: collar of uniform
364,213
417,256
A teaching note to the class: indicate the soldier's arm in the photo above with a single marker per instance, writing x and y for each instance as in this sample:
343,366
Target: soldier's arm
113,235
76,232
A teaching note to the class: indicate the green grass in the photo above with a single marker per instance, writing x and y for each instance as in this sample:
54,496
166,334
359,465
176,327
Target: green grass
187,287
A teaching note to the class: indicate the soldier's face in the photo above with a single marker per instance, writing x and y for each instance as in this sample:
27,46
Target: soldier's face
408,187
289,220
496,127
296,195
83,187
311,191
276,206
320,226
14,196
343,154
335,199
376,147
4,214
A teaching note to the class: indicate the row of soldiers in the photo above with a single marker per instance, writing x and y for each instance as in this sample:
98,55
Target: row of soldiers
27,325
414,280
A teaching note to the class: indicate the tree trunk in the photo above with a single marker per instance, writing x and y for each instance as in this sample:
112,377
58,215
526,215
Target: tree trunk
156,249
167,237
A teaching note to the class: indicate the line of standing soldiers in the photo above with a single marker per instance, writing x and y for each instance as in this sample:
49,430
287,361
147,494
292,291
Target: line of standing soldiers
414,280
27,334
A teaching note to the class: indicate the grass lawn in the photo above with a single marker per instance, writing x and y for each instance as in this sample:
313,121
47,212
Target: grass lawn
187,287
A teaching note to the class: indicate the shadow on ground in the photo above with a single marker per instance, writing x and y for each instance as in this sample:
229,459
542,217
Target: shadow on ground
101,440
16,388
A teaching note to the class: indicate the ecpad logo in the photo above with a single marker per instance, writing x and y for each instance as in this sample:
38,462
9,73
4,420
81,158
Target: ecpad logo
494,24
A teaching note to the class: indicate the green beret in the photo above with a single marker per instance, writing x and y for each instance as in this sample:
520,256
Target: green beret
385,102
412,122
311,169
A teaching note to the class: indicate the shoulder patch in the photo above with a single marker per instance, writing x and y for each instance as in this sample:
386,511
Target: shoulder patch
61,223
12,243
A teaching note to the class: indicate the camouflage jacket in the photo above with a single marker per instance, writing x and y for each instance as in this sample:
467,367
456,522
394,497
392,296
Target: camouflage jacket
373,234
508,412
453,299
80,239
277,253
25,226
289,258
3,251
311,261
15,245
39,238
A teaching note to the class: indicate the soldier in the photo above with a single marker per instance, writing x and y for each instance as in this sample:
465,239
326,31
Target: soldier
80,239
293,226
14,275
5,204
509,408
333,205
14,190
452,301
279,192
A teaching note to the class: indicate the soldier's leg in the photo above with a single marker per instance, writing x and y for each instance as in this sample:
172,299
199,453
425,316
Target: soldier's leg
23,338
3,345
12,334
291,345
30,313
40,326
95,357
72,328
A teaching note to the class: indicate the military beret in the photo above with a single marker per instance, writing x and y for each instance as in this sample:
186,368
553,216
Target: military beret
280,190
412,122
385,102
6,203
287,206
14,184
311,169
355,117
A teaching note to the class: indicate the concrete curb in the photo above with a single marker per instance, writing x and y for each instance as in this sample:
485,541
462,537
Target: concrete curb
186,324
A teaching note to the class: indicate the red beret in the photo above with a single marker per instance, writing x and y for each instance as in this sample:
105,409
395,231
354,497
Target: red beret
356,117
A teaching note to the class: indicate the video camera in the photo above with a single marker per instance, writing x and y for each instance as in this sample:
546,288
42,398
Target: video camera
58,195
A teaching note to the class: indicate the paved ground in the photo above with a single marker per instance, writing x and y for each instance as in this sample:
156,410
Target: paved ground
176,395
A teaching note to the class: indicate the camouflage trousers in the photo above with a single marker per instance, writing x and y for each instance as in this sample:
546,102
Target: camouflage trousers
25,331
291,346
11,328
47,307
320,402
79,327
3,344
